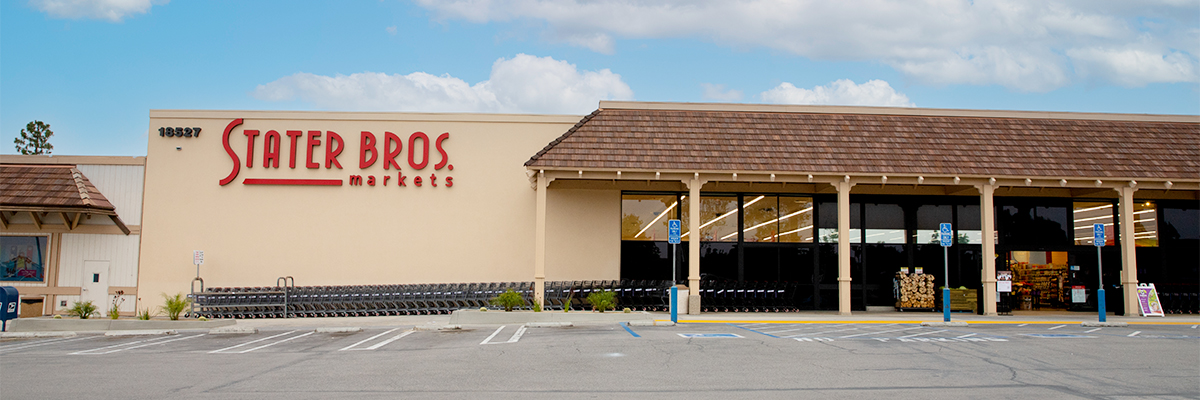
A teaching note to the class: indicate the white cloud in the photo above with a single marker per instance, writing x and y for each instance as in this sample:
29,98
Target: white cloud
523,84
112,10
718,92
391,30
843,92
1026,45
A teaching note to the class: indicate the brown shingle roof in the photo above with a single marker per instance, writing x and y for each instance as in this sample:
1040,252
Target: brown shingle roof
50,186
707,140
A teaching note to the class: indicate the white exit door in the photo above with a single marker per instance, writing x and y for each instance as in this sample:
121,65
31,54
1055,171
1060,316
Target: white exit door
95,284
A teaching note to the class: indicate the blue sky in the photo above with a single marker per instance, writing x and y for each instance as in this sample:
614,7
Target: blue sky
94,68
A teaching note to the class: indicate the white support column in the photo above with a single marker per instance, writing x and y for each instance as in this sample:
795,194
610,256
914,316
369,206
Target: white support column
539,241
843,226
987,211
694,245
1129,279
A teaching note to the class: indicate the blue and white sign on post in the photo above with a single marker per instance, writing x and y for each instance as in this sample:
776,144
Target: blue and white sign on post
1098,239
674,236
946,237
946,234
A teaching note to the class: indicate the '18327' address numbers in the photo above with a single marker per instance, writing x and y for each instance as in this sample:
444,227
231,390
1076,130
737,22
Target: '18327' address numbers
179,132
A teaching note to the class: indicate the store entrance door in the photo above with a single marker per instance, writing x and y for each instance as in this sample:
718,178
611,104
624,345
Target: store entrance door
1041,280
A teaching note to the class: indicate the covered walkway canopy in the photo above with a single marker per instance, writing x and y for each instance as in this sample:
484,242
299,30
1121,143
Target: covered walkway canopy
873,150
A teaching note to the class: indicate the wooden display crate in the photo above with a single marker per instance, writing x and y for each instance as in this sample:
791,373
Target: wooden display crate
964,300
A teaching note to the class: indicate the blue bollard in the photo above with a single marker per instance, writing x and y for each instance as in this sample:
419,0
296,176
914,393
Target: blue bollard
1100,303
946,304
675,304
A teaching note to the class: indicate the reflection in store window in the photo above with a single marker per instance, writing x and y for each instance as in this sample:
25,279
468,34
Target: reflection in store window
644,216
1087,213
1145,224
889,236
777,219
719,214
830,235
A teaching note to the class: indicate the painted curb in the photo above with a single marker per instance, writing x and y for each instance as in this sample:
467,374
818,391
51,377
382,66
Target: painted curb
562,324
340,329
957,324
144,332
232,330
1105,324
25,335
650,323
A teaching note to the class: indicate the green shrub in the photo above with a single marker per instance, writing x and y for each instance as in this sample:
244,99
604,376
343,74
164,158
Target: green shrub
602,300
83,310
144,315
114,313
175,305
508,300
537,306
567,302
627,310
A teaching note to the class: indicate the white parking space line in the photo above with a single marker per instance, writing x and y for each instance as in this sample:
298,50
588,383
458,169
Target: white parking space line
367,339
967,335
1135,333
1021,325
878,332
275,343
489,338
20,346
923,333
1092,330
251,342
1056,327
517,336
787,330
149,344
119,345
393,339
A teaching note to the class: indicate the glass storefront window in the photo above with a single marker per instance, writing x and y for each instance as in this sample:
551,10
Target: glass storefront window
1145,224
719,216
644,216
830,235
795,220
967,222
777,219
1087,213
885,224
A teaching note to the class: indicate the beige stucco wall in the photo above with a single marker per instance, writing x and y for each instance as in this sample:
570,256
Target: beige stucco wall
479,230
583,234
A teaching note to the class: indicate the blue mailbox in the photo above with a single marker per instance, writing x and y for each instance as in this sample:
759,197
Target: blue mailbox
9,300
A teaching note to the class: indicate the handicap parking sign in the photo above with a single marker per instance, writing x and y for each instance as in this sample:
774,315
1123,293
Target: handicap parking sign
1098,234
673,231
946,234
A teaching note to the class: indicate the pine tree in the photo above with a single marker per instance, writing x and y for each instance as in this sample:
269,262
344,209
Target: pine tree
35,139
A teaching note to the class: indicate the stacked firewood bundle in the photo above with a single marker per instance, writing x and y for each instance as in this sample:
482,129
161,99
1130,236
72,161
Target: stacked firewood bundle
916,290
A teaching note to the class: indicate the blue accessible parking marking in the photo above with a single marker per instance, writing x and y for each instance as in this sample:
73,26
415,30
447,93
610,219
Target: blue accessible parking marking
710,335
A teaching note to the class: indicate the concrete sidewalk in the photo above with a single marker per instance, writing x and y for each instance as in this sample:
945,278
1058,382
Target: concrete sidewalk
471,317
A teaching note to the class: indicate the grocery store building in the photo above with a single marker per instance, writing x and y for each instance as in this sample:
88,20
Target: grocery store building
835,200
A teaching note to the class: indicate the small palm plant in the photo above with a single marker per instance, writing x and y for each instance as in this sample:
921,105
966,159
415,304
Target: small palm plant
508,300
175,305
603,300
83,310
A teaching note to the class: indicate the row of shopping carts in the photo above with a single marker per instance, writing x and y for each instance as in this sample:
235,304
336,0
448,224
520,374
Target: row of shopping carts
287,300
1180,302
747,296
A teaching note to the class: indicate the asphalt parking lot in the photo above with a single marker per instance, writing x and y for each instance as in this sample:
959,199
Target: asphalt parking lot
774,360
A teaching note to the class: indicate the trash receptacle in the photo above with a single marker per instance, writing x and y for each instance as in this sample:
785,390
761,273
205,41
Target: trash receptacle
9,300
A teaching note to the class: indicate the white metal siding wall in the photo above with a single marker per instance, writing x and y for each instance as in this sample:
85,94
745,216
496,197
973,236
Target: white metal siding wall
122,185
120,251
